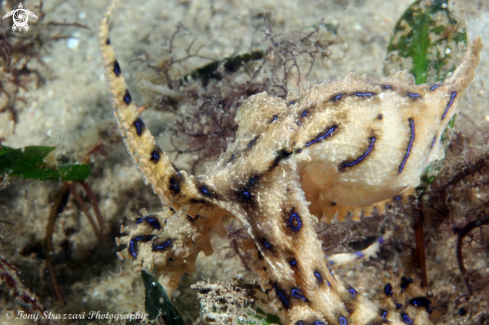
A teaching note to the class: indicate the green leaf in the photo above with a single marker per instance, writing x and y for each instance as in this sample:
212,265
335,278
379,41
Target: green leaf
267,318
30,163
428,40
231,65
158,303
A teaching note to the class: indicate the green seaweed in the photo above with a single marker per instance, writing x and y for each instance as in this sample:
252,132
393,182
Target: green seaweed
158,303
231,64
30,163
420,36
266,318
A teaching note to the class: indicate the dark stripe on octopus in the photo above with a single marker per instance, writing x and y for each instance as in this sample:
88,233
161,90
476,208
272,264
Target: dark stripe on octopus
155,154
133,243
282,154
344,165
161,247
282,297
174,185
408,150
127,97
151,220
322,136
117,68
139,125
365,94
252,142
452,98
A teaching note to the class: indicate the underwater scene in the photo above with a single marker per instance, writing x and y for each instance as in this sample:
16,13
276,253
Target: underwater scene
244,162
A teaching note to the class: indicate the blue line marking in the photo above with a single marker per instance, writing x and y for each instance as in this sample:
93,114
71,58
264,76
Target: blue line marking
454,94
408,151
349,164
322,136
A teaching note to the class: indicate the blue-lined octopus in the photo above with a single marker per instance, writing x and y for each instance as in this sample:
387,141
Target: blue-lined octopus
339,144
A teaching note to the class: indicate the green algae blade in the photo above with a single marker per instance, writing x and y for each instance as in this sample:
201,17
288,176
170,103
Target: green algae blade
158,303
261,318
29,162
266,318
429,40
231,65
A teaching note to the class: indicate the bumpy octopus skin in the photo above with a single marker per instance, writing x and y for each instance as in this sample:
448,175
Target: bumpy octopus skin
353,142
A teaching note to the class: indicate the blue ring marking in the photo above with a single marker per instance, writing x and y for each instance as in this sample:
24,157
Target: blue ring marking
159,248
295,218
405,282
330,263
155,156
298,294
153,222
406,319
358,94
349,164
322,136
293,263
381,240
266,244
318,276
385,315
133,247
282,297
304,113
329,284
139,125
413,95
117,68
107,41
204,190
387,87
454,94
398,306
352,292
408,151
253,179
127,97
388,289
343,321
274,118
434,87
320,322
421,302
245,194
360,255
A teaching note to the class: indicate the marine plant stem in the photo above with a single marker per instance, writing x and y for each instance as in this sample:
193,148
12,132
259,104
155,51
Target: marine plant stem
95,205
461,234
85,210
58,207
